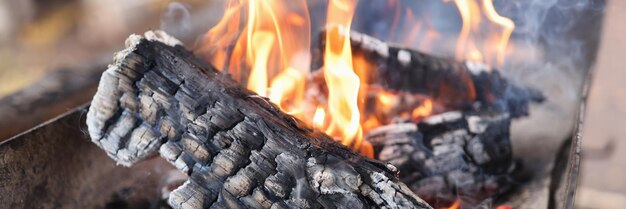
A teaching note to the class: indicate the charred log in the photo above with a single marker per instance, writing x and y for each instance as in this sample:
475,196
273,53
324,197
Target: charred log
239,150
459,85
450,155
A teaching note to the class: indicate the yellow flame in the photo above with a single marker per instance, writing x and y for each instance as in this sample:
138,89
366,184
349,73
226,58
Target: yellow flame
475,56
470,15
256,54
507,25
342,82
274,35
318,118
265,53
287,90
259,56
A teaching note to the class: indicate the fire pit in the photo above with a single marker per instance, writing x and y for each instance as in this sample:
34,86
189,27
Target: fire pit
256,117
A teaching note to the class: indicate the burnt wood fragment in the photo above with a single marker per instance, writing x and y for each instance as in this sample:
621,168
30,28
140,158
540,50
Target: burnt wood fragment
450,155
239,150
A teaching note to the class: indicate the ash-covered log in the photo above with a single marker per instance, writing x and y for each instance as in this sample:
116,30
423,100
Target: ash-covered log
451,155
239,150
459,85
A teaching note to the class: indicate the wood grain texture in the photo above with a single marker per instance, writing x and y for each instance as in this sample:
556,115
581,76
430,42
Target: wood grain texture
239,150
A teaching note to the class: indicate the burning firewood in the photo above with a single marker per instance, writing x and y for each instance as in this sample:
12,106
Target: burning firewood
459,85
239,150
462,152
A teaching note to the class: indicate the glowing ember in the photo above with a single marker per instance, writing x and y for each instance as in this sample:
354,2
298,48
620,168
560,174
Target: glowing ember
455,205
504,206
371,122
386,99
424,110
474,55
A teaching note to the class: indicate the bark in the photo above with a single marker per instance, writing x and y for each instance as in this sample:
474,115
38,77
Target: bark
239,150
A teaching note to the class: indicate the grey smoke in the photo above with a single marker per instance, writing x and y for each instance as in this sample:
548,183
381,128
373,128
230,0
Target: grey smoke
562,38
562,30
176,20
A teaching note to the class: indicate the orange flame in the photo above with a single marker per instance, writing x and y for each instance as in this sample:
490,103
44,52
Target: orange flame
507,25
259,56
504,206
423,110
469,45
265,45
386,99
455,205
217,40
267,50
287,90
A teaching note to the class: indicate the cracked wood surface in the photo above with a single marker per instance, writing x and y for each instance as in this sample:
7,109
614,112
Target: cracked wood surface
239,150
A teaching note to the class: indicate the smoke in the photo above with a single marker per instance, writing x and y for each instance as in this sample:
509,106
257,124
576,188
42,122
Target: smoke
555,44
558,31
176,20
